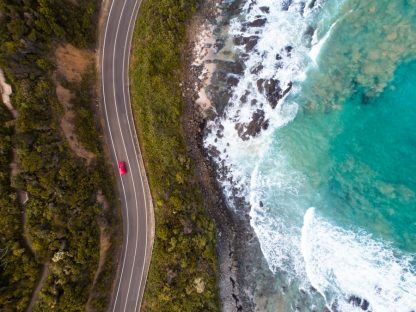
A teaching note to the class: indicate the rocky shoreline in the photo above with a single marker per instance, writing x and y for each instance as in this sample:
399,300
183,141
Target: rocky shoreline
243,284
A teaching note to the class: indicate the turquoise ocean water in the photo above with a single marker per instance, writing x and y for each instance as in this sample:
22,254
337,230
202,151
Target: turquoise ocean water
332,182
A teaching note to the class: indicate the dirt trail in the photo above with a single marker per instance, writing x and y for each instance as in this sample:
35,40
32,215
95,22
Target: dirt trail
44,274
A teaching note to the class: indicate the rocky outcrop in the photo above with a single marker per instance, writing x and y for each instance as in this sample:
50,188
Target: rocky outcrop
253,128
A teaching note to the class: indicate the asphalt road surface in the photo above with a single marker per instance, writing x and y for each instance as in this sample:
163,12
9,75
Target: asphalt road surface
121,134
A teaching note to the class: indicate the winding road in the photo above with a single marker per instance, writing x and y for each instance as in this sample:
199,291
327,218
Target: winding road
137,210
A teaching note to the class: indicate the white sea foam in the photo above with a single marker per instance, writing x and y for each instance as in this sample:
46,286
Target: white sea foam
317,47
341,263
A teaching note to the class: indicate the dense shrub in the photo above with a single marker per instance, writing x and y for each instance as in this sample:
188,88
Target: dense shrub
183,255
62,211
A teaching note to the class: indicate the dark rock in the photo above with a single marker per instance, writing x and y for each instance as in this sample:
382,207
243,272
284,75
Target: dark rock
239,40
334,306
365,304
243,98
251,5
232,80
236,68
234,8
260,85
310,31
289,87
308,35
278,57
271,86
302,8
355,301
261,204
244,56
232,281
265,9
311,4
272,90
257,23
251,43
256,69
235,298
213,151
258,122
288,50
286,4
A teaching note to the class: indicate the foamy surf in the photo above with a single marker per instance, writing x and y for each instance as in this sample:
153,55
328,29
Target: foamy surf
355,270
279,43
275,58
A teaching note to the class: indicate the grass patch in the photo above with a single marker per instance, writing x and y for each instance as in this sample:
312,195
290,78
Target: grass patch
183,270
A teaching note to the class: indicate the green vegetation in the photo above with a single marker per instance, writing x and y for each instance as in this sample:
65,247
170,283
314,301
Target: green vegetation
62,213
183,271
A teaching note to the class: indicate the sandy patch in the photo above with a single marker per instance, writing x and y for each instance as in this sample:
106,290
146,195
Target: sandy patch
6,91
72,62
64,96
204,55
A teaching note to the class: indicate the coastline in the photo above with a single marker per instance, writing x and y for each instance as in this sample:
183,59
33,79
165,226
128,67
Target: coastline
242,282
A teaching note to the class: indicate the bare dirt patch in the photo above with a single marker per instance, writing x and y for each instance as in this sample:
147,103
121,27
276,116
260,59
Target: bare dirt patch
72,62
64,95
6,91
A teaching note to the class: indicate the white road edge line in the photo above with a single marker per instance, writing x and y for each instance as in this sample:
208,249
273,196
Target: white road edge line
112,144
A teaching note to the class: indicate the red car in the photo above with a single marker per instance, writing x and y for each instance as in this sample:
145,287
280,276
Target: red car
122,167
